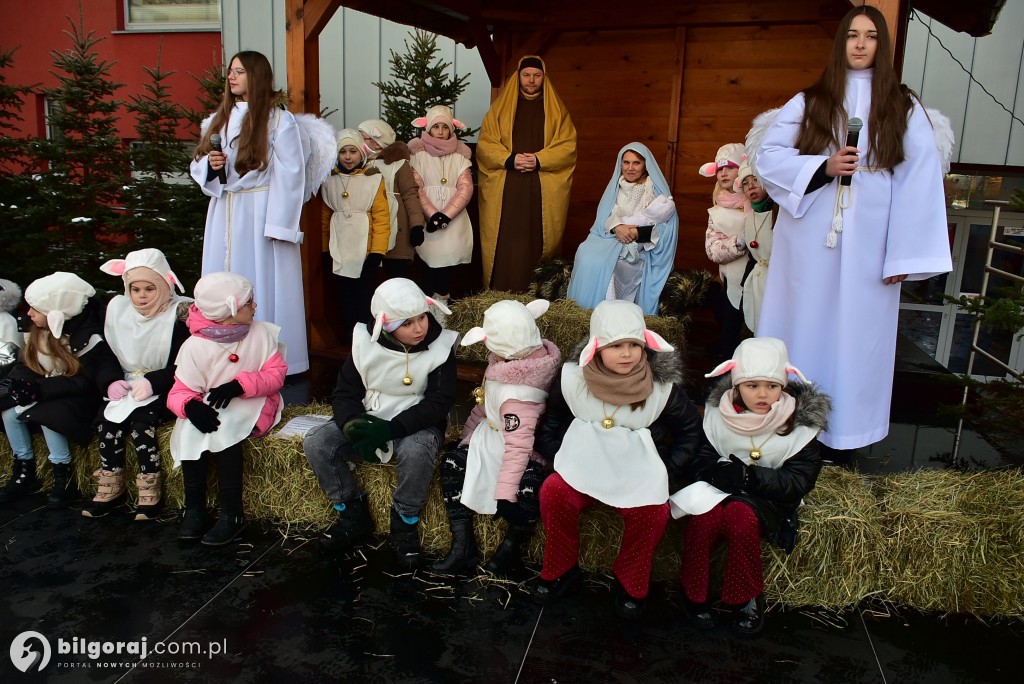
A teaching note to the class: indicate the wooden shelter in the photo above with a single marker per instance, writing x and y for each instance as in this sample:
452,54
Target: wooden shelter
681,76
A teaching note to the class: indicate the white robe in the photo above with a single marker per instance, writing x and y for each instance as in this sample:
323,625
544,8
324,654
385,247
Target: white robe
247,212
831,306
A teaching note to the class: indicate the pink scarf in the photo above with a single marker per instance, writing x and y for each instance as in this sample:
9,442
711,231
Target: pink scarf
198,324
438,147
750,423
732,200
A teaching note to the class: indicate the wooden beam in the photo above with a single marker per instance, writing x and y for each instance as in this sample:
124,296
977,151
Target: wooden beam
534,45
675,106
488,55
316,14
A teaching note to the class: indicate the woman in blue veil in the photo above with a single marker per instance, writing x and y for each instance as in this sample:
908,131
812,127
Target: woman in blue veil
631,247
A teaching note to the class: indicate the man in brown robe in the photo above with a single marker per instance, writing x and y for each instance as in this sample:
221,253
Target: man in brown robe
526,155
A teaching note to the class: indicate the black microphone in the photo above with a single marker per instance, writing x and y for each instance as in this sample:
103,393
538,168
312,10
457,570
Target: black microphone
852,134
221,173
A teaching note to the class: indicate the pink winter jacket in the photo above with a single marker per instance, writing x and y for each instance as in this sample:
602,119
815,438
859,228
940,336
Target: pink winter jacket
463,193
266,382
536,370
722,248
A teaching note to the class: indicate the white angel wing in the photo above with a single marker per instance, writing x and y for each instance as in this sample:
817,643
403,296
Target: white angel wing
945,139
755,136
320,149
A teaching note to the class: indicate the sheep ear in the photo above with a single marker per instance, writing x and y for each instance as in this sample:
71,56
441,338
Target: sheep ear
796,371
721,369
173,281
55,321
433,302
376,132
378,325
657,342
459,124
421,122
114,267
473,336
709,169
588,351
232,302
538,307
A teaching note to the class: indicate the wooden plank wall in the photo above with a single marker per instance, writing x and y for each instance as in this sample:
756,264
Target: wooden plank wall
618,86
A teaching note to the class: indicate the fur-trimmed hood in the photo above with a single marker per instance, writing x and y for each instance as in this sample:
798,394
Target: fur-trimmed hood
665,366
813,406
10,296
536,370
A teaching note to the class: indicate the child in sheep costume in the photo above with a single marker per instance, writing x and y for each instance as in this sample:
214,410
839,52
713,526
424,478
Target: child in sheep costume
761,460
11,339
619,428
145,327
494,467
391,402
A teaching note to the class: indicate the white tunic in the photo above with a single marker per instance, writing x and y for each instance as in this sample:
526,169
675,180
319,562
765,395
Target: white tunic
454,244
252,227
730,222
140,344
350,222
382,370
700,497
618,466
831,306
757,229
202,365
487,444
388,173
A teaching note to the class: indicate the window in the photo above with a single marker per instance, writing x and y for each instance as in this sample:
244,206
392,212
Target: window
170,15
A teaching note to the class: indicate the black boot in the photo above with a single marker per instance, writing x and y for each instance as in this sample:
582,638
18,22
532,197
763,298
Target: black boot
627,606
750,617
699,615
406,541
549,591
352,527
463,554
508,553
226,528
23,481
193,524
63,492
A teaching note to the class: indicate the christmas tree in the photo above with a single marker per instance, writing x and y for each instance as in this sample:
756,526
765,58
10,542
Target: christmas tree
420,80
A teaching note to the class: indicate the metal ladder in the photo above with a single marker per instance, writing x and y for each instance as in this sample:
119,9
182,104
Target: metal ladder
993,245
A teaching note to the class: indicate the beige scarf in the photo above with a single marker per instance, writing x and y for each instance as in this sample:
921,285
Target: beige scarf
616,389
750,423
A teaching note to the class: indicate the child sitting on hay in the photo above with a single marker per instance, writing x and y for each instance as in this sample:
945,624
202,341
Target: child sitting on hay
145,328
391,401
762,459
226,389
494,468
618,427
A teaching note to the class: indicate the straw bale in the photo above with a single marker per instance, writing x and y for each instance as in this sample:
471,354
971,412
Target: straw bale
954,542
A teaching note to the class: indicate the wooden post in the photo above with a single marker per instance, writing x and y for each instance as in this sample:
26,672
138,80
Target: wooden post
675,105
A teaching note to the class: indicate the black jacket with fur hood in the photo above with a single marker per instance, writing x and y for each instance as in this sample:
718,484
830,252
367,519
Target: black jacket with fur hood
775,494
678,432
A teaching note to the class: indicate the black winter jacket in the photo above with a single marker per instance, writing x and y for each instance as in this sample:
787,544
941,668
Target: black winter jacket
70,404
775,494
432,411
677,432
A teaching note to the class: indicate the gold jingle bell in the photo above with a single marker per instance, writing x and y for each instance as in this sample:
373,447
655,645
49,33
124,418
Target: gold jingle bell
607,423
755,454
444,181
406,381
344,194
478,395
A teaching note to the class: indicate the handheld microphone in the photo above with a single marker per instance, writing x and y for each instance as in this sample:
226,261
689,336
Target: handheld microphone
852,135
221,173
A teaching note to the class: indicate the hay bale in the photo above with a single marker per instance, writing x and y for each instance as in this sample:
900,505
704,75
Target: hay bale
565,323
954,542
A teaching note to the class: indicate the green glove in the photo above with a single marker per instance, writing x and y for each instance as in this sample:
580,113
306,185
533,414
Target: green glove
367,434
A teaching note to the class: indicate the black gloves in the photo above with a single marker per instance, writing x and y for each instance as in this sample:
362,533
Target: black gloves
437,222
371,264
24,391
730,476
221,396
202,416
416,236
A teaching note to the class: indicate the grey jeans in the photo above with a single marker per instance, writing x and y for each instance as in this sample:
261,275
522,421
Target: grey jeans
415,458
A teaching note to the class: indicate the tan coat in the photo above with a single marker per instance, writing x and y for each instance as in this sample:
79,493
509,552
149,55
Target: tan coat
557,162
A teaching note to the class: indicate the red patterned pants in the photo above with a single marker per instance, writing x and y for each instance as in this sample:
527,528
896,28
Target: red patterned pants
560,508
744,574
